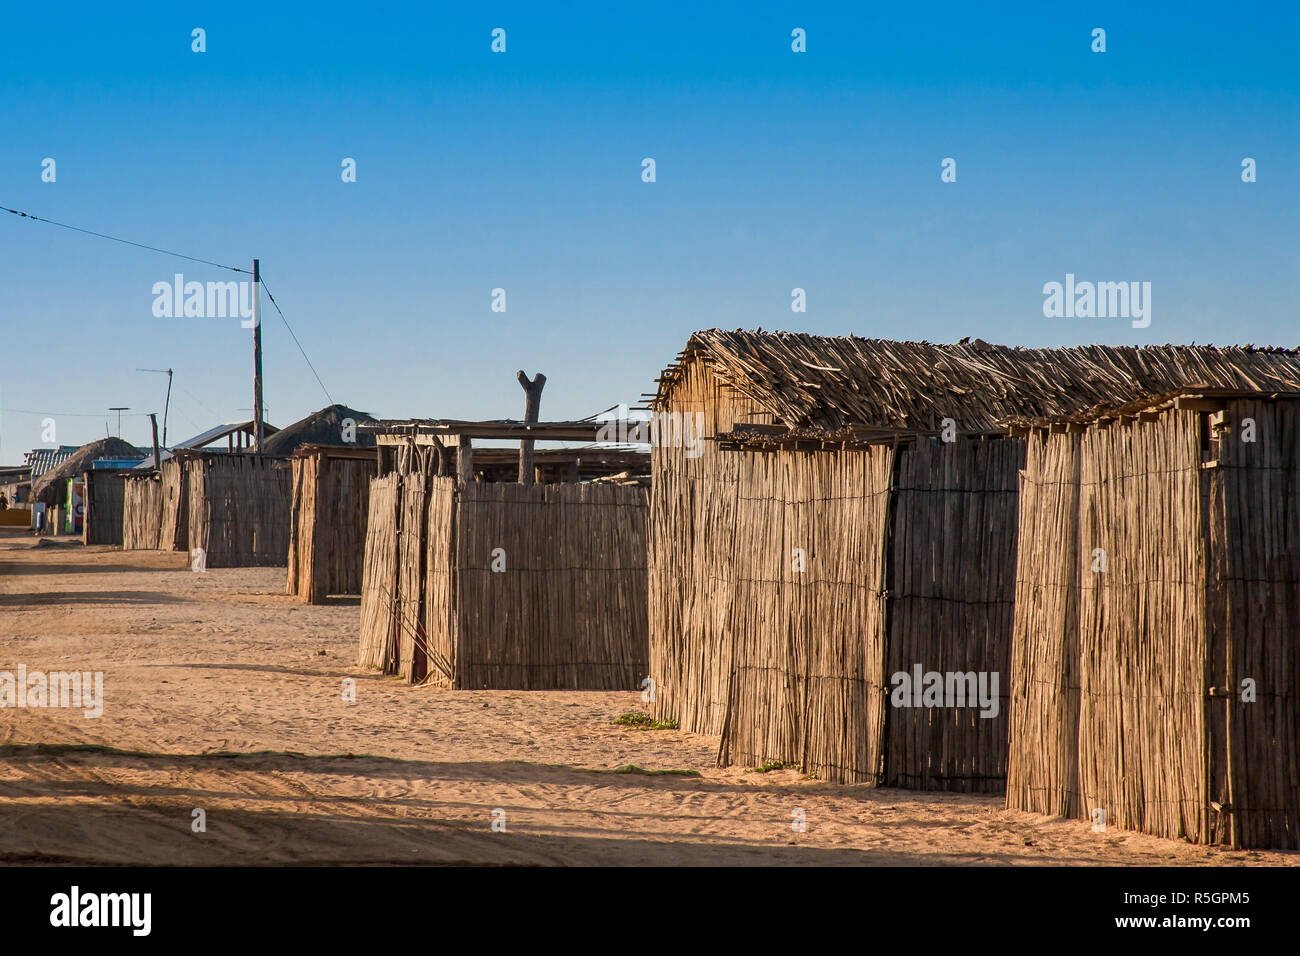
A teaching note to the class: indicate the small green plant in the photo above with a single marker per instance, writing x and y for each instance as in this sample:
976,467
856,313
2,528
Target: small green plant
644,721
769,766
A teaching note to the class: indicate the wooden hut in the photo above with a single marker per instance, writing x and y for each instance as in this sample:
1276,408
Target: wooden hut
1156,655
100,492
830,513
233,508
238,509
332,464
231,504
331,504
473,583
331,501
155,508
105,498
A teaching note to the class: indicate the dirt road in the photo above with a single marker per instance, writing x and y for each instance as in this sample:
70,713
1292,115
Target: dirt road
222,695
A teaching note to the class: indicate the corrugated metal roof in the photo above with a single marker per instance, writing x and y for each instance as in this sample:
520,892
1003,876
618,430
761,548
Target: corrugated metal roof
213,434
42,460
207,438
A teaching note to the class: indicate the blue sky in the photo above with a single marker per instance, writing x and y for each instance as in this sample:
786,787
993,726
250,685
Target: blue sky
522,171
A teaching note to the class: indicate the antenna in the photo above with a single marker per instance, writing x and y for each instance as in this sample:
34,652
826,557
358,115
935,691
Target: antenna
168,373
119,409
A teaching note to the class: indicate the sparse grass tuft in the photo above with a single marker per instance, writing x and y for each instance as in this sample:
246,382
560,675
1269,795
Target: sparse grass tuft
644,721
769,766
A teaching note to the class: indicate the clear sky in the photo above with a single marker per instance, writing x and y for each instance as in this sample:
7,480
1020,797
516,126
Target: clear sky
523,171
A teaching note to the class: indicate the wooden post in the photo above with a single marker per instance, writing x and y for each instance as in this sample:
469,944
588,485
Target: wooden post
157,461
257,354
85,508
465,460
532,403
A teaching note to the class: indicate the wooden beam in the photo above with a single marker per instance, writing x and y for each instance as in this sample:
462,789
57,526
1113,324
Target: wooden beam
1195,403
508,431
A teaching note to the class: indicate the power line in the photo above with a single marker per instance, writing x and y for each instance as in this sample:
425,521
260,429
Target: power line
28,411
179,255
199,401
295,340
138,245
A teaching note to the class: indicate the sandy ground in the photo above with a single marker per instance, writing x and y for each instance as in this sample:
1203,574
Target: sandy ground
223,695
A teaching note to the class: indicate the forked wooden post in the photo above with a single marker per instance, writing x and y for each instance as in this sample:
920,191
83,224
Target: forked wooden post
532,403
157,460
465,460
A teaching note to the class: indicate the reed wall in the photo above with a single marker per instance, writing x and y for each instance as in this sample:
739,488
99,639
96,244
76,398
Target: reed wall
501,585
693,493
1128,674
141,513
239,509
441,608
1043,764
174,527
155,509
794,665
1255,612
951,593
805,617
331,498
105,505
378,647
565,606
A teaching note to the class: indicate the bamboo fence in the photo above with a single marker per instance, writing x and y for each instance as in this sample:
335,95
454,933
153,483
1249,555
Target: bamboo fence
239,509
502,585
141,513
155,509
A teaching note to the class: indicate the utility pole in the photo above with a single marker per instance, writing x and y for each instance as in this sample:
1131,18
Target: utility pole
532,405
257,355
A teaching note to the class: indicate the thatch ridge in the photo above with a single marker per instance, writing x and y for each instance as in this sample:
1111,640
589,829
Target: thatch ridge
324,427
832,384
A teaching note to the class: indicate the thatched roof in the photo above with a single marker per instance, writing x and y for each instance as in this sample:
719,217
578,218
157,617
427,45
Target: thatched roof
49,487
324,427
831,386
